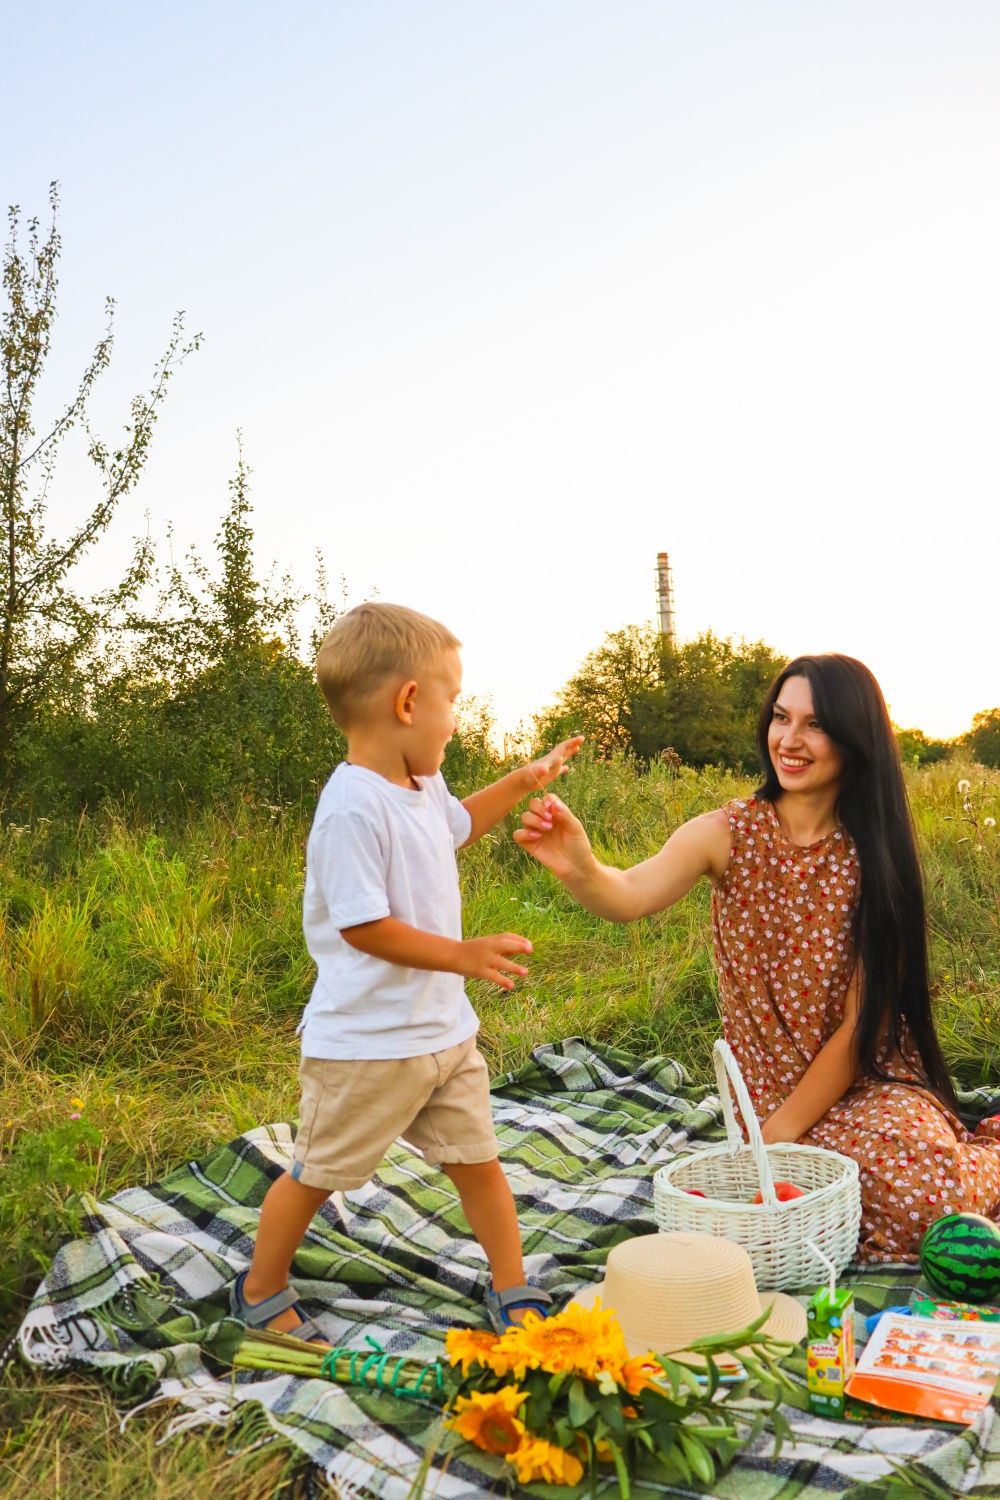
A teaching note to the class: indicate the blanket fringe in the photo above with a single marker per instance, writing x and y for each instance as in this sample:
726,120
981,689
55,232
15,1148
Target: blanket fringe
248,1425
54,1343
201,1409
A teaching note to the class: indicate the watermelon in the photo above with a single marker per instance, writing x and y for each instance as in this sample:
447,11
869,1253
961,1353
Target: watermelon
960,1257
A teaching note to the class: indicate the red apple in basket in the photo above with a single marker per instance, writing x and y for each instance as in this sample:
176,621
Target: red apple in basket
784,1191
695,1192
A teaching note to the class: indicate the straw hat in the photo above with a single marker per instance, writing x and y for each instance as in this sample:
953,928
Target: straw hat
670,1289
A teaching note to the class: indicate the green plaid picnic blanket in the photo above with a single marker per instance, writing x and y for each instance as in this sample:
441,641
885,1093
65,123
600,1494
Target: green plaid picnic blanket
582,1129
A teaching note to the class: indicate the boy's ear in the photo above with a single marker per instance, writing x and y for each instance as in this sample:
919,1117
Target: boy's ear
404,702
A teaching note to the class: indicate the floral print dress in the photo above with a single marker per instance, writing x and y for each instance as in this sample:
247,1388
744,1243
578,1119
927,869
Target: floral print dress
782,919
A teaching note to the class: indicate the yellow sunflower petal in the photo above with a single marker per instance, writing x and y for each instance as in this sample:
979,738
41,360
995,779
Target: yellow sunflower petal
581,1341
537,1459
470,1346
487,1418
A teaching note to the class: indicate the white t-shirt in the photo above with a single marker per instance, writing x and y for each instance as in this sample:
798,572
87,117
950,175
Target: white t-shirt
379,850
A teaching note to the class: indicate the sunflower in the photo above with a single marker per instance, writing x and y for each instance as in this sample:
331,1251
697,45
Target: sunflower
470,1346
537,1459
488,1419
579,1341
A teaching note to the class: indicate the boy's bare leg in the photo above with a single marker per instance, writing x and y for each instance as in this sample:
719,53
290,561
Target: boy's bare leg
488,1204
286,1213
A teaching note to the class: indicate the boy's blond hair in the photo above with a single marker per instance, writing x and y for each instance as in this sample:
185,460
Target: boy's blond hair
370,644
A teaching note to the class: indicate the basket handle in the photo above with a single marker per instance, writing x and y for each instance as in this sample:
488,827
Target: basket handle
727,1073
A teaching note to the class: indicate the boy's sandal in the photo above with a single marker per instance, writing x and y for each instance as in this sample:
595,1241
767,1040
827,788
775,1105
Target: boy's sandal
259,1314
499,1305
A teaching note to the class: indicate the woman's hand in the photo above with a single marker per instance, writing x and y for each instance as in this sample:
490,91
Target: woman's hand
775,1133
555,837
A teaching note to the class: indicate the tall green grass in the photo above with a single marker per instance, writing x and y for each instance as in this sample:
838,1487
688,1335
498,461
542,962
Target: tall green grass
157,974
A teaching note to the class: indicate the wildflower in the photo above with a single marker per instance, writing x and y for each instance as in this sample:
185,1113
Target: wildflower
489,1419
989,822
77,1103
638,1374
963,787
471,1346
537,1459
579,1341
75,1115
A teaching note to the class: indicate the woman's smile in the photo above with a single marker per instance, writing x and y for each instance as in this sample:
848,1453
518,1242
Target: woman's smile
799,748
793,763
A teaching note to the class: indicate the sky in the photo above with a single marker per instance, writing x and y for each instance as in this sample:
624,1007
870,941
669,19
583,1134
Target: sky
505,298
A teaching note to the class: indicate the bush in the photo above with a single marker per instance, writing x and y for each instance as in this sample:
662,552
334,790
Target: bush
40,1205
916,749
983,738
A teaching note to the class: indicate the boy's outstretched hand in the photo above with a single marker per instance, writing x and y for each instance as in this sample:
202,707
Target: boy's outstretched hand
553,764
493,958
555,837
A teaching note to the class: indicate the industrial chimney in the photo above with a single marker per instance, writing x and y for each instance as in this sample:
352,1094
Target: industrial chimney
665,597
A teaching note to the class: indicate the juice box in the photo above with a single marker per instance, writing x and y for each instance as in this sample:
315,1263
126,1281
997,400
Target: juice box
829,1349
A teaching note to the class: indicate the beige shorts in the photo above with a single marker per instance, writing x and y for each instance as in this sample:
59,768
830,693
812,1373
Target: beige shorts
352,1111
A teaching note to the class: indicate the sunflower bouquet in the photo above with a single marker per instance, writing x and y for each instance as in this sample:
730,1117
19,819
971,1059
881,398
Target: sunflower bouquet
556,1398
559,1396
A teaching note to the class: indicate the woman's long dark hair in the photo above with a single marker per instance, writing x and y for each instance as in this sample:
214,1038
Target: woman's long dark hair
894,1010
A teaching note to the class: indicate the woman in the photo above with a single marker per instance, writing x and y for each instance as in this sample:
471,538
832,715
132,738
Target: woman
820,946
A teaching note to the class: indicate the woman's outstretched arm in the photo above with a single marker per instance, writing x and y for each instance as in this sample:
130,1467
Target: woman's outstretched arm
558,840
831,1073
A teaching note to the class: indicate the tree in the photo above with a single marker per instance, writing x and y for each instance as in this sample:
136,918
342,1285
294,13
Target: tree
213,700
917,749
46,625
599,699
639,693
222,619
691,709
707,703
983,738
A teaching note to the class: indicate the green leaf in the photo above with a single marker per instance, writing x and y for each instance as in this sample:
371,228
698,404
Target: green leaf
664,1435
581,1408
697,1456
538,1409
677,1461
662,1410
565,1432
621,1469
611,1412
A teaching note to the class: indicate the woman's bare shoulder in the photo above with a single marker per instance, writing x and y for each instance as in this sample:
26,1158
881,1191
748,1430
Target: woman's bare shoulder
714,834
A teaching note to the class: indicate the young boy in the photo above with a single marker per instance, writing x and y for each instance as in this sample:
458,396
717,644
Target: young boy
388,1036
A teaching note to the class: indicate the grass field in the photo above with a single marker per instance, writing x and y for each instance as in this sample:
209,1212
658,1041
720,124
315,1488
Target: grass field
154,976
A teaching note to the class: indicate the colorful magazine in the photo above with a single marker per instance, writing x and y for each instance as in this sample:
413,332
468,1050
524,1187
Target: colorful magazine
942,1368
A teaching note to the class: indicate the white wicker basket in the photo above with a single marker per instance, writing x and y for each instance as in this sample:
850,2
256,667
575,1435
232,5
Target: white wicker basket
774,1234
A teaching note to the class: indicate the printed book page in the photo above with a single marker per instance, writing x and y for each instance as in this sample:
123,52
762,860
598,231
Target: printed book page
930,1368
